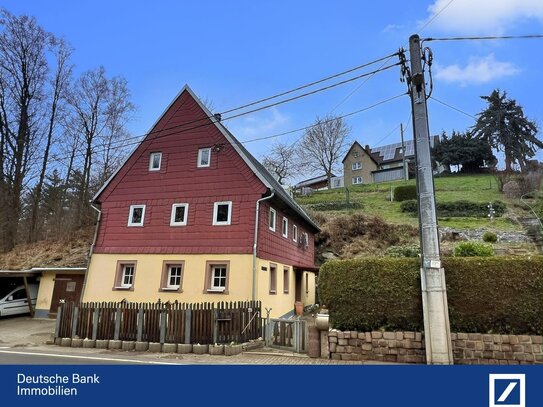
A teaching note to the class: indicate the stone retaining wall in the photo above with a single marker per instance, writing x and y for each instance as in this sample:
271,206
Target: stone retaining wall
408,347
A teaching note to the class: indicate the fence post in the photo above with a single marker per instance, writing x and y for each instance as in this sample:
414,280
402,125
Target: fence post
162,325
139,335
58,321
95,319
117,332
215,325
188,323
75,317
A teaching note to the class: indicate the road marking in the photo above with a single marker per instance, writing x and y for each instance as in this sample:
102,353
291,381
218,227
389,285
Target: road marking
86,357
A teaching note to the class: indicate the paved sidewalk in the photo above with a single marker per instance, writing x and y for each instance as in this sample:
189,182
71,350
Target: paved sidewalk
31,335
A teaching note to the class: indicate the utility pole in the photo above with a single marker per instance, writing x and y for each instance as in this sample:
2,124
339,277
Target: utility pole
405,169
434,292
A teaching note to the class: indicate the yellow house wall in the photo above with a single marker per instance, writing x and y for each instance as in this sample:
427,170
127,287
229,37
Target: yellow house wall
45,293
102,269
368,165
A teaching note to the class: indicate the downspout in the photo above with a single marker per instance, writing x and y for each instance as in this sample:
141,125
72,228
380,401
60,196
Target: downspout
255,243
91,248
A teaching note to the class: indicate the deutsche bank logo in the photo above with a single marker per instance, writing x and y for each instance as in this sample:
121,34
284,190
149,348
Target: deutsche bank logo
508,390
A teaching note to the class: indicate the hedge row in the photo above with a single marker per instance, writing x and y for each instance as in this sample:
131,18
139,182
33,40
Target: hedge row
492,294
334,206
458,208
405,192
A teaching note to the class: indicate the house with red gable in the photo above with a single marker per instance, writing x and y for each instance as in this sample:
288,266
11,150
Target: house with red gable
192,216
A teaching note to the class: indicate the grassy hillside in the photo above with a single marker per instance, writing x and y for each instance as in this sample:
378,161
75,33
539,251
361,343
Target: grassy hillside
376,200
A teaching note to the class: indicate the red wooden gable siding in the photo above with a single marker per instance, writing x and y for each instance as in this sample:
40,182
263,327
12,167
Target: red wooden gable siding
179,180
275,247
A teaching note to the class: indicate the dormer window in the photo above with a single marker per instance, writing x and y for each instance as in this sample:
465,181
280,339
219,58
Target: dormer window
155,160
204,157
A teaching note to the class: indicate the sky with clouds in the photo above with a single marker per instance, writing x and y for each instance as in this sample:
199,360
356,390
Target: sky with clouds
234,52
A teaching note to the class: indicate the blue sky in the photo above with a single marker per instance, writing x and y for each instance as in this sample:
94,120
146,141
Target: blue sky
235,52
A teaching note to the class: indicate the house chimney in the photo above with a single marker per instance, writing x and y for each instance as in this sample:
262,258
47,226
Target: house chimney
367,147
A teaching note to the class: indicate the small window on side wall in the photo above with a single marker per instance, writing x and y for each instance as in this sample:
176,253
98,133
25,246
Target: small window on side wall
136,215
155,161
284,227
217,276
273,278
222,213
204,157
273,217
286,279
179,214
125,275
295,233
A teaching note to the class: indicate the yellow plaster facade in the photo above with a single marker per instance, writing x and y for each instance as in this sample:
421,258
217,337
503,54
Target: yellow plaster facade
101,280
45,293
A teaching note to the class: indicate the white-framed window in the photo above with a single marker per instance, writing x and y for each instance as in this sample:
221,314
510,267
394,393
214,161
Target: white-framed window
356,154
179,214
204,157
357,180
172,275
222,213
356,166
218,277
295,233
136,215
273,216
337,183
127,276
155,159
284,227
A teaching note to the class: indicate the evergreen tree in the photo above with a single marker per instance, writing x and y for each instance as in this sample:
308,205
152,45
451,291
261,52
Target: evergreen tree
463,150
503,125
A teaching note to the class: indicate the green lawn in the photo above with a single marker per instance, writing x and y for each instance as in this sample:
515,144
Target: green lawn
376,200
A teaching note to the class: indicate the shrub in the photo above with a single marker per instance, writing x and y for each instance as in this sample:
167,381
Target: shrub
403,251
405,192
490,237
457,209
473,249
334,206
492,294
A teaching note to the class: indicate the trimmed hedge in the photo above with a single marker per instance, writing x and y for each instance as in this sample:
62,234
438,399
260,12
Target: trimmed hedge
471,249
486,294
458,209
405,192
334,206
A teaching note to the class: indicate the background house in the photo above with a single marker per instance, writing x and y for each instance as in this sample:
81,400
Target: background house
307,186
191,216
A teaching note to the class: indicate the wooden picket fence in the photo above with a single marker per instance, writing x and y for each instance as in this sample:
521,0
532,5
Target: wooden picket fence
204,323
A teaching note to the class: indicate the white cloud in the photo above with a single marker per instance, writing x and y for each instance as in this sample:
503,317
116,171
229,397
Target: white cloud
478,70
483,16
259,126
393,27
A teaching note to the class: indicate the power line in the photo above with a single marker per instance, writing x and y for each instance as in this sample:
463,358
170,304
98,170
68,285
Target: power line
500,37
435,16
453,108
394,129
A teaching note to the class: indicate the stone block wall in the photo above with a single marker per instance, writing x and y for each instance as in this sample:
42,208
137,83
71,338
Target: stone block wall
408,347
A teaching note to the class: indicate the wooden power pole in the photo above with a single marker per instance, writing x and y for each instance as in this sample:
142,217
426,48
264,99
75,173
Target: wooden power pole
434,292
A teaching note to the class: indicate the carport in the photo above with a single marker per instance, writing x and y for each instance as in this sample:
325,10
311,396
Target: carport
14,277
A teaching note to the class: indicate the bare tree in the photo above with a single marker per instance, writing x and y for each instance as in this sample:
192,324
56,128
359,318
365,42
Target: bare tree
281,162
23,74
324,143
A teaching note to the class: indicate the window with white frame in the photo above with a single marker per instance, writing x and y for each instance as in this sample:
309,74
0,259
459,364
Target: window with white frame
155,159
356,166
273,216
222,213
204,157
295,233
174,276
179,214
136,215
357,180
126,272
284,227
218,277
356,154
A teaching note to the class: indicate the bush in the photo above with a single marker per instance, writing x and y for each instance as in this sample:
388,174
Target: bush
334,206
496,294
464,209
405,192
403,251
490,237
473,249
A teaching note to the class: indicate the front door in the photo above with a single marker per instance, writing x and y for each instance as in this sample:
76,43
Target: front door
68,287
